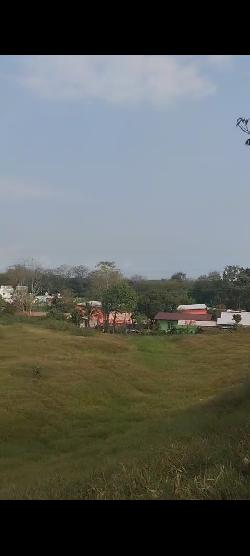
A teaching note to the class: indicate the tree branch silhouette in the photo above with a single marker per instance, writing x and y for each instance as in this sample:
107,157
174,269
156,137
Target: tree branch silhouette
242,123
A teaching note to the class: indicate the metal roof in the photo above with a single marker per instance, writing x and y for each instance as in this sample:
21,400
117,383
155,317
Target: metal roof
192,307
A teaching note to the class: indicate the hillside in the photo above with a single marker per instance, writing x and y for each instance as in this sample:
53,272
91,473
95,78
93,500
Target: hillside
123,417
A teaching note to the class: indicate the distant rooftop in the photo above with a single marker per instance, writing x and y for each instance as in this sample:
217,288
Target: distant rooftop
191,307
91,303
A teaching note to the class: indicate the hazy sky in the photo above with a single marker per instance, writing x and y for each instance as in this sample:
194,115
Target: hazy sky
134,159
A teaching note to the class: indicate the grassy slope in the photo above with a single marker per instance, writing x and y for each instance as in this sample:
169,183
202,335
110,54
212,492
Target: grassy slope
118,417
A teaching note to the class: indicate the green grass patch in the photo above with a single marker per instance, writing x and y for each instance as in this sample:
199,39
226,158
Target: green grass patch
107,417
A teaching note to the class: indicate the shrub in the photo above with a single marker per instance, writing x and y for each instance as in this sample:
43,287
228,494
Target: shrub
76,317
5,307
56,313
189,329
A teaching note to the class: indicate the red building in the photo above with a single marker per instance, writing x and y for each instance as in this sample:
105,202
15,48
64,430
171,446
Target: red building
97,317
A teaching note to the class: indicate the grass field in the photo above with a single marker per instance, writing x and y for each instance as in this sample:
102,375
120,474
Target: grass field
107,417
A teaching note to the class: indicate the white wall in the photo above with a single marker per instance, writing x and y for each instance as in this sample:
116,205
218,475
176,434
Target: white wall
227,318
202,323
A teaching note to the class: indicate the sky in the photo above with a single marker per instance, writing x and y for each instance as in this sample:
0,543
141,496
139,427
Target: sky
134,159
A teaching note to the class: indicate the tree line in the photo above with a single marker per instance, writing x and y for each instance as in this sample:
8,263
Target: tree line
106,282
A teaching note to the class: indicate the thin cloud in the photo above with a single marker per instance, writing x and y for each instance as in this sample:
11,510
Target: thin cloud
127,79
20,189
15,189
220,60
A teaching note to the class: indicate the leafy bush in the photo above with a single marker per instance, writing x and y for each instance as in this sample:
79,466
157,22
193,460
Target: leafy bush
56,313
158,332
189,329
5,307
76,317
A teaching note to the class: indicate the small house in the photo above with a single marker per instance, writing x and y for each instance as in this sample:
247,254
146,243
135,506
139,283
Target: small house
169,320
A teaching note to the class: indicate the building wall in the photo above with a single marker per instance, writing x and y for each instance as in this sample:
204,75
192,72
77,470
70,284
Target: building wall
203,323
227,318
98,318
167,324
121,318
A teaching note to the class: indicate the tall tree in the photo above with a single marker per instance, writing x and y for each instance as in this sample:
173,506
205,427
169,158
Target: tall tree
180,276
231,273
214,275
79,271
23,301
28,273
105,275
67,300
136,278
119,298
157,295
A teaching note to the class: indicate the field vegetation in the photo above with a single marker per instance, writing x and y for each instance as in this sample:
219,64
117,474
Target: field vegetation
99,416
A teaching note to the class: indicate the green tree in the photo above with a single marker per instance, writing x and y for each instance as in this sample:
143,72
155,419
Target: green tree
178,276
214,275
80,271
140,320
119,298
215,312
231,273
28,273
3,305
56,309
23,301
237,319
157,295
105,275
61,304
212,292
76,317
150,303
237,283
67,300
6,307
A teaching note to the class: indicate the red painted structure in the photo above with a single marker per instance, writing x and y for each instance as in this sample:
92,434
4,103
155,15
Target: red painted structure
97,317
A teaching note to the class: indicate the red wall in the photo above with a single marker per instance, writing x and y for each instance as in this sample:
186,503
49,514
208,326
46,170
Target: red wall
98,316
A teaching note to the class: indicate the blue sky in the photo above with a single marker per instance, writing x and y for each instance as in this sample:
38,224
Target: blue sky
134,159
